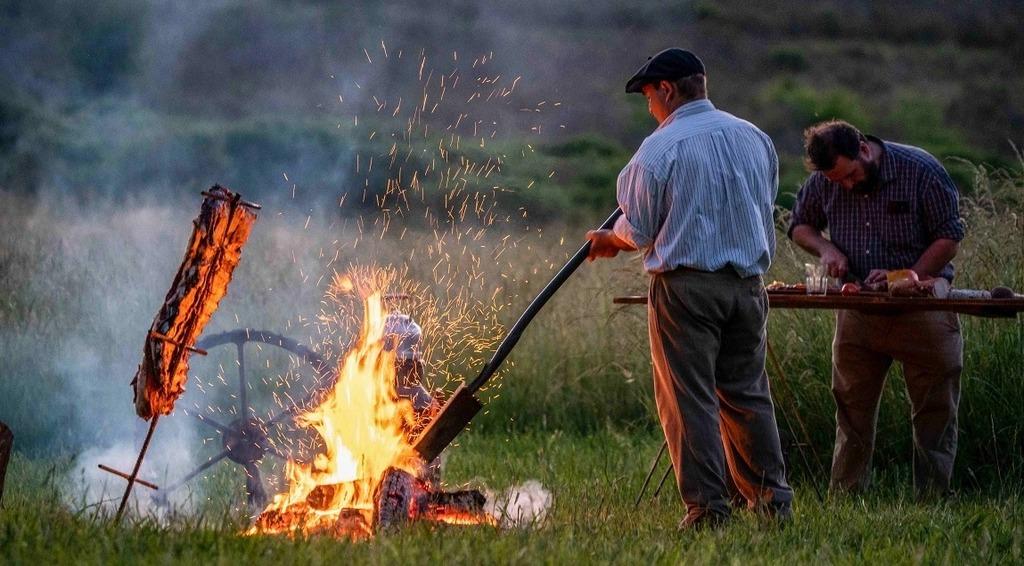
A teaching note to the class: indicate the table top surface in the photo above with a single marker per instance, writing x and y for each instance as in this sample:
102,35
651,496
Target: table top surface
878,302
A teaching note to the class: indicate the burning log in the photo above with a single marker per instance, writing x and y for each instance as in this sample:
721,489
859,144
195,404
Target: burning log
213,251
6,444
352,523
400,498
273,521
323,496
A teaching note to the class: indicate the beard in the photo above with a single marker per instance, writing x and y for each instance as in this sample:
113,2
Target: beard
870,182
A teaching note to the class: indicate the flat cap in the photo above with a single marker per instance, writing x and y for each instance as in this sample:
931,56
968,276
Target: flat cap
672,63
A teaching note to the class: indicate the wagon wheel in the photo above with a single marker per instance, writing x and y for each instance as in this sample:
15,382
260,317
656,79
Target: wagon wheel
245,440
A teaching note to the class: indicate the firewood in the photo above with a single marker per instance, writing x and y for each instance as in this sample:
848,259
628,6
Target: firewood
352,523
399,498
323,495
469,500
273,520
6,445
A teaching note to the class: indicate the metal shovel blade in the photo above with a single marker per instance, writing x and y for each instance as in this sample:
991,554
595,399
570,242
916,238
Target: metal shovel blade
454,416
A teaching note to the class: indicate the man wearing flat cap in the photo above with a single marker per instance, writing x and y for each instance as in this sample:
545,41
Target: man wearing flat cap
697,201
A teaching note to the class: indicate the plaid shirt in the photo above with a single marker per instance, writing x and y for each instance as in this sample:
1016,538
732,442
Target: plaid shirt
888,228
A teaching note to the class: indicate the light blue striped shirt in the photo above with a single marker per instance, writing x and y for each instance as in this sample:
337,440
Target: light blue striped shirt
700,193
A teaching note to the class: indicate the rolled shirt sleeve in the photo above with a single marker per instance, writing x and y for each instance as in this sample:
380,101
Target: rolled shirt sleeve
641,197
941,210
808,208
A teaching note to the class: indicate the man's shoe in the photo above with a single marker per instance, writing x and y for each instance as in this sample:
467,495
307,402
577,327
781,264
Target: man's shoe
703,520
933,495
778,513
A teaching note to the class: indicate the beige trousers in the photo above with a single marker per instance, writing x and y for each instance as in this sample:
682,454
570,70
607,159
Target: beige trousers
930,347
708,345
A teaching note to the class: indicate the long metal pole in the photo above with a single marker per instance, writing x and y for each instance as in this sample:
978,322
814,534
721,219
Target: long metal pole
506,345
462,406
135,470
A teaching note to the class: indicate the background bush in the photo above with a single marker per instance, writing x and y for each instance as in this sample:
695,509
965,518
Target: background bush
121,96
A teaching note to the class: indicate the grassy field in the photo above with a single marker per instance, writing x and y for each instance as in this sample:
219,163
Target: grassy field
117,113
572,409
594,479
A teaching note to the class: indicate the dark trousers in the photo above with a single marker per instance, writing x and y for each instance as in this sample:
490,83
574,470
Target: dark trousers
930,347
708,346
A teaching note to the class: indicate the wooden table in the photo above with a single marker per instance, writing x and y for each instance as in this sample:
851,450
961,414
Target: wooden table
872,302
878,303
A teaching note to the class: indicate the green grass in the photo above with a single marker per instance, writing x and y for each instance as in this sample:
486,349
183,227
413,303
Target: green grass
594,480
572,408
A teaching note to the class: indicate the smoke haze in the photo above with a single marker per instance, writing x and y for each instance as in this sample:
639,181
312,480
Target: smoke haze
520,506
115,114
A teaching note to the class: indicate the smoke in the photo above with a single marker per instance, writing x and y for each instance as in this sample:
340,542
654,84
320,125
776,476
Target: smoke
169,458
521,506
268,100
83,284
95,295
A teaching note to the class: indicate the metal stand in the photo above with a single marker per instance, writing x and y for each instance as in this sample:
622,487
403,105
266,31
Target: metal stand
777,369
135,470
647,480
650,473
664,478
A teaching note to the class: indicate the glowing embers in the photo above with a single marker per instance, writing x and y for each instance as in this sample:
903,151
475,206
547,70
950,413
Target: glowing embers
366,476
400,498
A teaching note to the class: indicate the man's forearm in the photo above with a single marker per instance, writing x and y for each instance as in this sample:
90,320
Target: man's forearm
621,243
811,240
624,235
935,257
605,243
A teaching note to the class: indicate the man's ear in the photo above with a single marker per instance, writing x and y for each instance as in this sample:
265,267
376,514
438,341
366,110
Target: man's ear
669,87
665,91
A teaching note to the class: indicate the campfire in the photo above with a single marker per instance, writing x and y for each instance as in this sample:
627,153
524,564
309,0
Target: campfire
378,432
367,477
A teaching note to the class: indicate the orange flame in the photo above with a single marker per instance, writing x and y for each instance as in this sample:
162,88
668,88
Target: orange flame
365,428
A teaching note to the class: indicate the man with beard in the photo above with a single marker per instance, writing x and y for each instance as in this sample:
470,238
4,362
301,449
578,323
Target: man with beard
887,206
697,198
